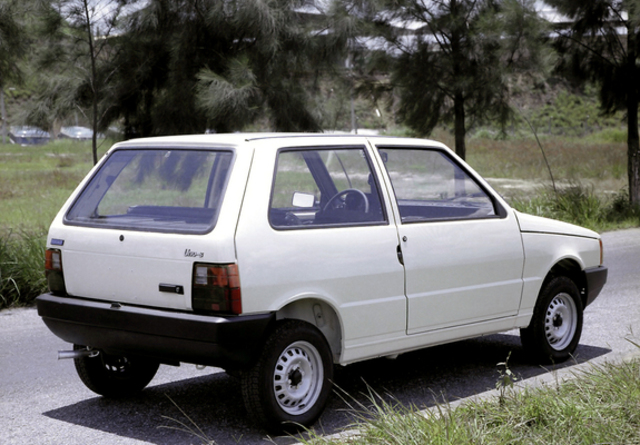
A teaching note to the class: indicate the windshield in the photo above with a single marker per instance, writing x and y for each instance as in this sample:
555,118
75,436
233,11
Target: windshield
163,190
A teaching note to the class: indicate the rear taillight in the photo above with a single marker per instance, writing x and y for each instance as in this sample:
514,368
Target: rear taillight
53,271
216,288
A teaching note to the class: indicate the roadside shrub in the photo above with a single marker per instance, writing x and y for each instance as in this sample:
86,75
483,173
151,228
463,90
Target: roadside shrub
21,268
575,204
578,204
620,209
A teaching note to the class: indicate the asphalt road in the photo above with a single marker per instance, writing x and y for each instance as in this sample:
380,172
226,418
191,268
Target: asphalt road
42,401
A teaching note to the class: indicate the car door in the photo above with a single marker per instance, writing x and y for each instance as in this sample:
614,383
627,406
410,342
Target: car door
462,252
322,232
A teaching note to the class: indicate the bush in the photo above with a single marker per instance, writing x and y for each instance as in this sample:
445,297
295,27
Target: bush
621,210
611,135
21,268
578,204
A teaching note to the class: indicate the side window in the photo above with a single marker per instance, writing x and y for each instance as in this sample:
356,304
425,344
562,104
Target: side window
430,186
320,187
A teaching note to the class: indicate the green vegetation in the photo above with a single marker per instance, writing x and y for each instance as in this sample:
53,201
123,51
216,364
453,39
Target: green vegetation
36,180
34,183
600,405
21,268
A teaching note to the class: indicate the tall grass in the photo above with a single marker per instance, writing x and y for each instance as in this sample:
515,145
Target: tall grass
21,268
36,180
34,183
581,205
599,406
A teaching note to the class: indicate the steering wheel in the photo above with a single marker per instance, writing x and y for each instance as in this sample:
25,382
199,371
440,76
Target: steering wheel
345,193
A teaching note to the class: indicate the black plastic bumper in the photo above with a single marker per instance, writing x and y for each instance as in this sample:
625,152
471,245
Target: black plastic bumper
596,278
164,335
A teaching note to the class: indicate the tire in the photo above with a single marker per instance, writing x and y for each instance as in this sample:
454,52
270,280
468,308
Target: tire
288,387
556,326
114,376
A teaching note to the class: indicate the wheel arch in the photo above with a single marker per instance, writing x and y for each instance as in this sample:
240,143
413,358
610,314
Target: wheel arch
320,314
571,269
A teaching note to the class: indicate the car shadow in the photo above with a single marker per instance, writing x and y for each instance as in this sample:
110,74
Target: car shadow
211,406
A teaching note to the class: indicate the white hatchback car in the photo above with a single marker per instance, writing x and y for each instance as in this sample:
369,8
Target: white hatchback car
276,256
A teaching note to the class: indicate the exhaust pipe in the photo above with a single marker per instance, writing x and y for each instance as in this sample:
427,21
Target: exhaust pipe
77,353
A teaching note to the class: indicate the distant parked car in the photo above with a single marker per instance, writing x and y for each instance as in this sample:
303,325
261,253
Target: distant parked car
276,256
77,133
26,135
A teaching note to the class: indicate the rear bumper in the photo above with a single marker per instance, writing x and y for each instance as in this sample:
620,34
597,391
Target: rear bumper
596,279
164,335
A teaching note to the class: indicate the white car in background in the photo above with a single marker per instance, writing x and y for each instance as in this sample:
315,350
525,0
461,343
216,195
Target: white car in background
278,256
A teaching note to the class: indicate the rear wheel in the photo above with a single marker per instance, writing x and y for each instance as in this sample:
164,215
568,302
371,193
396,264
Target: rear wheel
115,376
290,383
556,326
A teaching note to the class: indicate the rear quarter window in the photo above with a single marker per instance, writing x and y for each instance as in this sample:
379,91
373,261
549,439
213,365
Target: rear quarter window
164,190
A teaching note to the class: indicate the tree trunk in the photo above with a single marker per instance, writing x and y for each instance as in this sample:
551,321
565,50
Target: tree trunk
633,150
4,115
459,126
457,39
94,87
633,140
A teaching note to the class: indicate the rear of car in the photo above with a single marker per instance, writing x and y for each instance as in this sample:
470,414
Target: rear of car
151,233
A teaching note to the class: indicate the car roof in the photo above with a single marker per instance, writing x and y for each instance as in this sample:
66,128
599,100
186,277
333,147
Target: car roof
239,139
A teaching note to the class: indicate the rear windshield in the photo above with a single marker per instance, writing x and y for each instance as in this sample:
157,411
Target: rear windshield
163,190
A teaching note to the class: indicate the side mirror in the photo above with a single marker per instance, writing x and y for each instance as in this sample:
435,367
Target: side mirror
304,200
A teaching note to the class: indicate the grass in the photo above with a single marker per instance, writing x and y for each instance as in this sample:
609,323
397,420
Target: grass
34,183
599,406
21,268
36,180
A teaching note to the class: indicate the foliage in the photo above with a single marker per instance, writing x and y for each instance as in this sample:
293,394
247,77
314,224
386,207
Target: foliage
602,45
13,41
21,268
76,63
574,114
579,205
456,66
185,66
599,405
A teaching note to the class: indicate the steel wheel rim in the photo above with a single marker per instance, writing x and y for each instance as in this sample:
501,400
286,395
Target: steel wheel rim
561,321
298,378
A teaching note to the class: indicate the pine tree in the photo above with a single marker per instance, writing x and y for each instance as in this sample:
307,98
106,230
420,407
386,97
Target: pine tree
453,59
13,44
76,61
602,45
188,66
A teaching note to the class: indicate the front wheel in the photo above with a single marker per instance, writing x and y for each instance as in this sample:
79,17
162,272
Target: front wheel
115,376
556,326
290,383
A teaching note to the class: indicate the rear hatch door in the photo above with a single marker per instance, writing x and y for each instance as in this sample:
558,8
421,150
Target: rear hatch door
136,228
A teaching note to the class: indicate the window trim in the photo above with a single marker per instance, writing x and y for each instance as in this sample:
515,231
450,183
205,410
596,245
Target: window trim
138,148
499,210
372,168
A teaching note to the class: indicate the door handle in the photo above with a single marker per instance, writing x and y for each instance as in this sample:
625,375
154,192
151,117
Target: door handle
399,253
